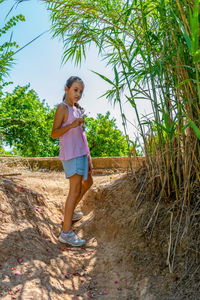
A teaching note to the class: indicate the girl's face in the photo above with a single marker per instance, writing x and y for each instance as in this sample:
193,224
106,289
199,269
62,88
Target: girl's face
74,93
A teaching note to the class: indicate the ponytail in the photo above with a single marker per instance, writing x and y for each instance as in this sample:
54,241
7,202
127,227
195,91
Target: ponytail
82,110
64,97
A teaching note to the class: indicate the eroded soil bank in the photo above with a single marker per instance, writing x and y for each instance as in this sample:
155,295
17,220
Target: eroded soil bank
118,261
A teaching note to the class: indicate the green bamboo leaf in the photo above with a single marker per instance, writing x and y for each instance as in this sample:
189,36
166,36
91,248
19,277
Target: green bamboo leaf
161,126
172,128
131,101
184,127
116,76
195,27
196,57
183,82
140,98
186,36
166,120
104,78
195,128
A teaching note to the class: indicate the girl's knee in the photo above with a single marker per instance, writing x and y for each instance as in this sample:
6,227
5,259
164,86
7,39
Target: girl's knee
75,193
75,185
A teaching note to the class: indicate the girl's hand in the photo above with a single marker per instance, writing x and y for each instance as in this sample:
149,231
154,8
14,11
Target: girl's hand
90,165
77,122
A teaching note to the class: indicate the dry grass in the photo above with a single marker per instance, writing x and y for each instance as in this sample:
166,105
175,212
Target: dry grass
178,221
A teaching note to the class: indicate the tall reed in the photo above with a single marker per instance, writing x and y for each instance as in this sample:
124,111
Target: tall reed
154,46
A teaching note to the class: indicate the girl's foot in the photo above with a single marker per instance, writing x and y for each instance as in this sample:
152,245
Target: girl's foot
71,238
77,215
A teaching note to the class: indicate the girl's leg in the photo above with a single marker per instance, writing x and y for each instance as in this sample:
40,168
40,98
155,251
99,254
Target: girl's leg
74,194
84,188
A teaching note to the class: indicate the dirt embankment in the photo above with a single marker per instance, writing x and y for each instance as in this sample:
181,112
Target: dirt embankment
119,261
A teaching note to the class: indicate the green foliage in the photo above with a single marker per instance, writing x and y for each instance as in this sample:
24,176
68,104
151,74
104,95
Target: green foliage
153,47
104,138
7,49
26,123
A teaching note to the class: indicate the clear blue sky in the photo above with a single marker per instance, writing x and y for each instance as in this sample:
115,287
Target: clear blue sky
40,64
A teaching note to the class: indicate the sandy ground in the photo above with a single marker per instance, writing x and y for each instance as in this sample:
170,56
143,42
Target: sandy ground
116,262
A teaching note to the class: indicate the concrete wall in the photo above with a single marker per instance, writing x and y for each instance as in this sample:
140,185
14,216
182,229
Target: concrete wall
116,162
53,163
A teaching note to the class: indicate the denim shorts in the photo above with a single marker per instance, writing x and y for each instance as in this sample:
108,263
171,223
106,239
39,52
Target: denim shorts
78,165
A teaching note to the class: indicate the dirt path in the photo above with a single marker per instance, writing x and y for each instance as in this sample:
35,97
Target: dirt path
37,266
115,264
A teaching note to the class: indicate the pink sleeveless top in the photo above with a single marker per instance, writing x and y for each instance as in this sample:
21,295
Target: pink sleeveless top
73,143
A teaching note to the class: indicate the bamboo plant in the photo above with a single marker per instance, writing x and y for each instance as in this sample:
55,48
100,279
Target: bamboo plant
153,47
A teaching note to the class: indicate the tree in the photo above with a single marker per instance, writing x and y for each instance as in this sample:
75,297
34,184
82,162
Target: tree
104,138
7,49
26,123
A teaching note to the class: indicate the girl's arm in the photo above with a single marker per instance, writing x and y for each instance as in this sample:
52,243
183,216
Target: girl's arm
60,113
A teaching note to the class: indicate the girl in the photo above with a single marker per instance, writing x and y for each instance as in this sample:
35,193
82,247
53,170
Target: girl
74,154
